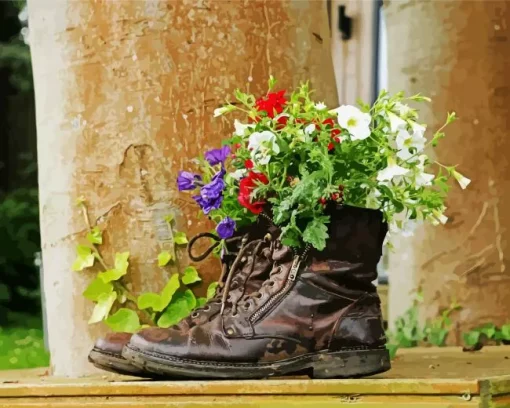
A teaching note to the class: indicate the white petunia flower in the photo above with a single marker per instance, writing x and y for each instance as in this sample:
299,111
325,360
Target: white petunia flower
241,128
439,217
423,179
220,111
372,200
310,129
463,181
320,106
393,170
402,226
402,109
262,145
396,122
406,141
238,174
355,121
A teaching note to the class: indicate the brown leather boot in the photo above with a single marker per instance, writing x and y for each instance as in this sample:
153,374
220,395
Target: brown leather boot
251,243
318,312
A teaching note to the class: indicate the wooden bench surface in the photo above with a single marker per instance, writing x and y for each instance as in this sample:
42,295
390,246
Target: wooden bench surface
437,377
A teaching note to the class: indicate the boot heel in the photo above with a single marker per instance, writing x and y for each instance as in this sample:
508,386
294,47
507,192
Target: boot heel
353,363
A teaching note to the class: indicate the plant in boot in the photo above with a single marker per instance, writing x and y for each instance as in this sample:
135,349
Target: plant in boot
334,180
298,155
317,311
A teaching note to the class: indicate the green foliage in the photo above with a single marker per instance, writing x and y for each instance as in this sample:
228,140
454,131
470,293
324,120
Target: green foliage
125,320
190,275
108,291
487,334
164,257
409,332
22,347
19,242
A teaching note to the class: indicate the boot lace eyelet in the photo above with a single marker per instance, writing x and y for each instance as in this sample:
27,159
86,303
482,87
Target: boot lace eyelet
272,283
195,314
207,308
259,296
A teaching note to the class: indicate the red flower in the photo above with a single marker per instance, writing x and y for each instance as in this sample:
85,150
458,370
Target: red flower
248,164
330,123
246,187
282,121
272,103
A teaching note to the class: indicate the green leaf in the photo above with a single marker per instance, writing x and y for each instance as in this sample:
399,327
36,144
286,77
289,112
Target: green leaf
190,298
177,310
110,275
103,306
489,330
201,301
97,288
164,257
316,234
505,331
121,262
180,238
124,320
84,259
190,276
95,236
211,290
471,338
149,299
168,291
169,218
392,349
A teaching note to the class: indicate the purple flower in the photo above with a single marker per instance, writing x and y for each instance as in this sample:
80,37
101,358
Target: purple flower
211,195
207,205
187,180
215,187
216,156
226,228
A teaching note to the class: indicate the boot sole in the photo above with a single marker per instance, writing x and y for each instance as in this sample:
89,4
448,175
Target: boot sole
341,364
116,364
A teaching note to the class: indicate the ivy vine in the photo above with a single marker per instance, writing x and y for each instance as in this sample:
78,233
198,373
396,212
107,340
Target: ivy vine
120,309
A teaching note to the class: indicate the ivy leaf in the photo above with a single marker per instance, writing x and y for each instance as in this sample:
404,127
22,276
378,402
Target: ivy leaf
201,301
84,259
190,276
169,218
489,330
316,234
103,306
190,298
97,288
180,238
149,299
164,257
211,290
168,291
121,262
110,275
124,320
471,338
505,331
177,310
95,236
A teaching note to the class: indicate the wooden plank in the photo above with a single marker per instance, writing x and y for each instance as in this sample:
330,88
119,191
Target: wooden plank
246,402
56,387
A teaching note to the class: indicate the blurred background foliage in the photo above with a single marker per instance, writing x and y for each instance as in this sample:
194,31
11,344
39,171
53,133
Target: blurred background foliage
21,333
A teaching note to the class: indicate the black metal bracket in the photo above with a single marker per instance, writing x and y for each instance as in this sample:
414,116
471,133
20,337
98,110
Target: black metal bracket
344,23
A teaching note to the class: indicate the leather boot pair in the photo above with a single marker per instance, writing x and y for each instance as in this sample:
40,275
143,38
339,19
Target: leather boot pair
318,312
251,243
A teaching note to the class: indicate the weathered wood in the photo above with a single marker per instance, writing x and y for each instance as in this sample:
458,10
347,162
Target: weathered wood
420,377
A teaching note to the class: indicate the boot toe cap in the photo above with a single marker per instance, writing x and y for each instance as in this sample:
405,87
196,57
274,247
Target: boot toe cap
112,343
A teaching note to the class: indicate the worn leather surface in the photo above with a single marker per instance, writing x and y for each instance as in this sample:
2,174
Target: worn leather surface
331,305
249,278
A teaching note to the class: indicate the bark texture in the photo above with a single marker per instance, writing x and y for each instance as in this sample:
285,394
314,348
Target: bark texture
125,92
458,53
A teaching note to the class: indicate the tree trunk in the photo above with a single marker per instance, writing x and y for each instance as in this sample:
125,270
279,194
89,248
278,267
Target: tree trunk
125,93
458,53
